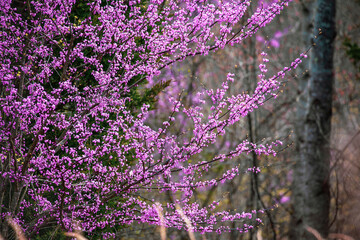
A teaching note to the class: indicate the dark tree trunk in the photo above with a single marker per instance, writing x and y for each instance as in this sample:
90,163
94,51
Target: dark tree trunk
311,196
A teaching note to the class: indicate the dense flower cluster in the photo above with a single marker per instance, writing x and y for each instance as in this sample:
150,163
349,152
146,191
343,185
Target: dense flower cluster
70,148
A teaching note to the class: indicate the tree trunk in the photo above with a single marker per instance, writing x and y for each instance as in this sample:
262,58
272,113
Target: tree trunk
311,196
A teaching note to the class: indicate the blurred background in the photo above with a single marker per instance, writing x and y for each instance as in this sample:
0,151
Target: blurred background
276,189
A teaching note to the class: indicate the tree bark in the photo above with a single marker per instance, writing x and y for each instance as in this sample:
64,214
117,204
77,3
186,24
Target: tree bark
311,195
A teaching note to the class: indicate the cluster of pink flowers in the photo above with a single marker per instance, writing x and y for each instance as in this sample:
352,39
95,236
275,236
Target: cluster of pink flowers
69,145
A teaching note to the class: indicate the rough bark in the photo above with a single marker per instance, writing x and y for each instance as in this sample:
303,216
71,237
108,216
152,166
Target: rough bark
311,196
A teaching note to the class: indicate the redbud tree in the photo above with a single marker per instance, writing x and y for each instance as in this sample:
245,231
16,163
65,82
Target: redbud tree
76,153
